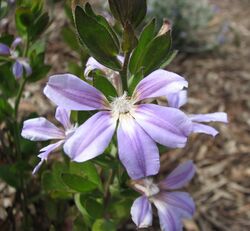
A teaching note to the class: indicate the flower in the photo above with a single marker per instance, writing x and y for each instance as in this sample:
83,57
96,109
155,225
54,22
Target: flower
40,129
172,206
140,125
178,99
20,63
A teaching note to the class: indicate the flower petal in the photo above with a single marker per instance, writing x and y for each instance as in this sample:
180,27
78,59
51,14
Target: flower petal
27,67
137,151
40,129
177,99
93,64
63,116
202,128
16,42
181,203
4,49
179,177
17,69
72,93
211,117
159,83
169,219
167,126
44,153
141,212
92,138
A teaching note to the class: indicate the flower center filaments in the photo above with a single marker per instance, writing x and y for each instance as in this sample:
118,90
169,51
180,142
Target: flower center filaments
121,105
70,131
148,188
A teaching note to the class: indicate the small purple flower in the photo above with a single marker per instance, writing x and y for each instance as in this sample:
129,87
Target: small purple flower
140,125
172,206
40,129
20,63
178,99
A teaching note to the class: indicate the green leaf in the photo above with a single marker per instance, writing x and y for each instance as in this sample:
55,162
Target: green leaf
90,208
53,183
9,175
120,210
146,36
69,38
104,85
78,183
170,57
24,19
39,26
156,53
103,225
9,85
97,39
86,170
100,19
128,11
134,80
6,110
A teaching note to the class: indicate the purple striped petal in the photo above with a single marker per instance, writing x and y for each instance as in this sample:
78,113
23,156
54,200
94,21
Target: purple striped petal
177,99
40,129
72,93
202,128
92,138
137,151
211,117
141,212
180,203
93,64
169,219
159,83
4,49
44,153
179,177
17,69
167,126
63,116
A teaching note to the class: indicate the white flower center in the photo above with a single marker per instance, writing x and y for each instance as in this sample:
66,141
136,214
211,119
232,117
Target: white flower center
70,131
121,105
148,188
13,54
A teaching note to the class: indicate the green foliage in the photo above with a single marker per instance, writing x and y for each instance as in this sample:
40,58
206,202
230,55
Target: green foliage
152,50
103,48
126,11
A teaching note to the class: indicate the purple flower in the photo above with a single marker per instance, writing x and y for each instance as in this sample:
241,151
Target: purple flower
40,129
20,63
178,99
172,206
140,125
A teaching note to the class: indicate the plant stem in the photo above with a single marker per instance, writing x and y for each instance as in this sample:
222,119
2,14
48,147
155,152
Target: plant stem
124,72
23,197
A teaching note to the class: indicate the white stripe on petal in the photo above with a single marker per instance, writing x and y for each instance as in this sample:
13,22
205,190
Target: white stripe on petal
167,126
91,138
137,151
141,212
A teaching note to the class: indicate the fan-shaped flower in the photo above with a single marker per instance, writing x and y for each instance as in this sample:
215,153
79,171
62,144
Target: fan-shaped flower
20,63
140,125
172,206
40,129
